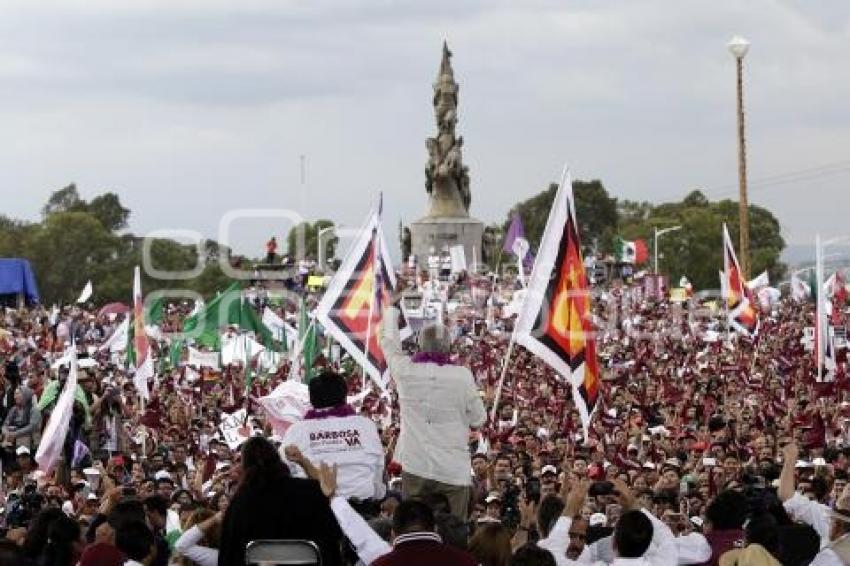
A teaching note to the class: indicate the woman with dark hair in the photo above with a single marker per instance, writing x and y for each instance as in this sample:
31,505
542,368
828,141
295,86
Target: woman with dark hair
37,532
64,543
269,504
491,545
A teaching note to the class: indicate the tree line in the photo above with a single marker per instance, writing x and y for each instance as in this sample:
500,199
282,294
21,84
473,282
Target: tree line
77,240
695,251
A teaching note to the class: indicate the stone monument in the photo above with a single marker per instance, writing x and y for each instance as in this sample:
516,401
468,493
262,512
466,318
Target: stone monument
447,223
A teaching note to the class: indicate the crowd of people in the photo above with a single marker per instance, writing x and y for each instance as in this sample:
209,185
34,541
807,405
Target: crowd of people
707,447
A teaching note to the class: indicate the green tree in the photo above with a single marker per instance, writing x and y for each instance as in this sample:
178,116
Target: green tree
301,241
64,200
108,209
696,251
68,249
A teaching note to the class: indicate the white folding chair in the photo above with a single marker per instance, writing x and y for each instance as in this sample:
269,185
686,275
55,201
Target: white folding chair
283,552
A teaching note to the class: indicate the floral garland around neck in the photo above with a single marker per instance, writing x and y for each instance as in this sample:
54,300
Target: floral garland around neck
439,358
338,411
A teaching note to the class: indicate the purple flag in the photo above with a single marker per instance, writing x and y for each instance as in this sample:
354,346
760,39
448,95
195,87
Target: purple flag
515,230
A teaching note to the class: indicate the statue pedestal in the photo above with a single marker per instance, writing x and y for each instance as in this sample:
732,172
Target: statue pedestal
440,233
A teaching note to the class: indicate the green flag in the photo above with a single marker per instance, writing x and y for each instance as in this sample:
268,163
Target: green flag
309,351
303,320
130,360
226,308
153,314
248,320
175,352
206,324
813,286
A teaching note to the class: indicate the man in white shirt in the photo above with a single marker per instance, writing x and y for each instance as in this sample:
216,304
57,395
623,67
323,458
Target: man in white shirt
439,402
332,433
833,526
639,538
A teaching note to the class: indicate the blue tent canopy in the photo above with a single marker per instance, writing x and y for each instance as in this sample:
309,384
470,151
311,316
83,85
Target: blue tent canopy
16,278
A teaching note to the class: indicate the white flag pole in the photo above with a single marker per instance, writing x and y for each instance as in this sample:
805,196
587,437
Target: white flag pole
505,363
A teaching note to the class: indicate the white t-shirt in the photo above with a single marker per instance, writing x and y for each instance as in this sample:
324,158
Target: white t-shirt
352,443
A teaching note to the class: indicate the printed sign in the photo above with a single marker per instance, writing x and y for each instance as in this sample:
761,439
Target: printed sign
235,428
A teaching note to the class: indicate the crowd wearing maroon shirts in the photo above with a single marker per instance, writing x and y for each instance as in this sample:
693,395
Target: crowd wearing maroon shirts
689,411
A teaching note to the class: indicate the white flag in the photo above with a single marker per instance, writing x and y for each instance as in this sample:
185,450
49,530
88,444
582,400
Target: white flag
280,329
458,256
800,290
761,281
236,349
53,438
86,293
203,359
118,341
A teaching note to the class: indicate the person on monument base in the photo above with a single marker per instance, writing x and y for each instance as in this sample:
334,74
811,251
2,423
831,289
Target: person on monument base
271,250
438,404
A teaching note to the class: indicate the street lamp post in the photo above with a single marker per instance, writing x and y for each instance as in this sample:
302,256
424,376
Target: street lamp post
320,251
739,46
657,234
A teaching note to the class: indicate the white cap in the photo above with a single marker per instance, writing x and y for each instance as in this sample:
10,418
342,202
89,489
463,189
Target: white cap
598,520
22,450
92,497
649,465
162,475
221,465
548,469
697,521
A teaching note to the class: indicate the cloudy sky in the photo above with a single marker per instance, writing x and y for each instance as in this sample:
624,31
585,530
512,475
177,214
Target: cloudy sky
191,109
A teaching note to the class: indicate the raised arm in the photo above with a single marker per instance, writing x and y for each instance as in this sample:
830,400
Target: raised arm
294,455
368,545
397,361
787,486
798,506
663,544
558,539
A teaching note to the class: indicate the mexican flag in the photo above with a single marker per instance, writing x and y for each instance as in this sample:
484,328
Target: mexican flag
631,251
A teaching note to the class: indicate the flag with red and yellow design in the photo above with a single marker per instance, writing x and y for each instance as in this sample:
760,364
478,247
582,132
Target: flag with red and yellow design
352,308
742,314
555,322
